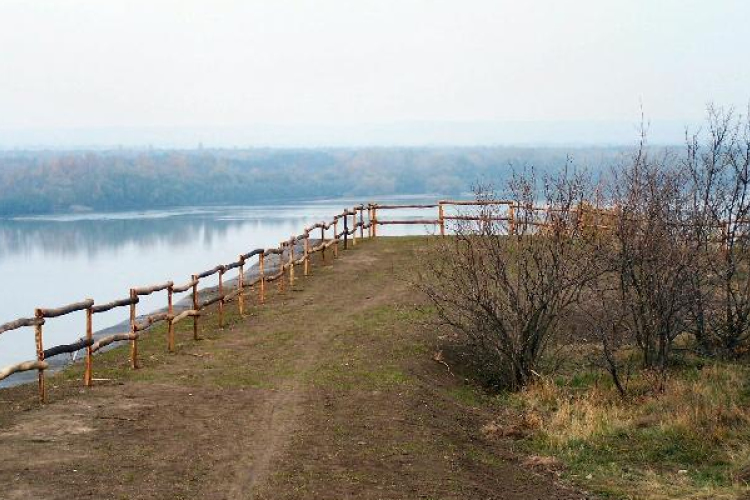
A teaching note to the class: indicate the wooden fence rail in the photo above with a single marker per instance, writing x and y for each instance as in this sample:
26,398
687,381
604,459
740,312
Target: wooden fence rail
287,256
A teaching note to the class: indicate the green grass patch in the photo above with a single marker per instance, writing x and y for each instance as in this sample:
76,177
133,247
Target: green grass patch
691,441
355,376
468,395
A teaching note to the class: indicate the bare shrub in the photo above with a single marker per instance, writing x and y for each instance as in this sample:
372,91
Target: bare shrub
661,250
507,284
649,262
603,316
719,169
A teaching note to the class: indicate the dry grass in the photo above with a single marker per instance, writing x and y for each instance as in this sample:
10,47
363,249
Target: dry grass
692,441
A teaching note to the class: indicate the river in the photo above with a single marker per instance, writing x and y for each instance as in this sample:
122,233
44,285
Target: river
50,261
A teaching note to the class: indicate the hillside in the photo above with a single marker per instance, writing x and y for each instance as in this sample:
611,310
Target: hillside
327,391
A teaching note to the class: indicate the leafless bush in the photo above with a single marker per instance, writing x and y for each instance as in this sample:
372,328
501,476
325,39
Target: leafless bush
719,170
651,257
640,301
661,251
506,284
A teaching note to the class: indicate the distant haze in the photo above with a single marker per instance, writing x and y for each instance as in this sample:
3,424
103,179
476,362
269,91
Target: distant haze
92,73
528,133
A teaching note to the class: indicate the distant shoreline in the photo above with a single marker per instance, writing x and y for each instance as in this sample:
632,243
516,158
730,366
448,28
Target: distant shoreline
353,200
54,182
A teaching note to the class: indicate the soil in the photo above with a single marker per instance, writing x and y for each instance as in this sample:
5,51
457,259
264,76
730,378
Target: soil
330,390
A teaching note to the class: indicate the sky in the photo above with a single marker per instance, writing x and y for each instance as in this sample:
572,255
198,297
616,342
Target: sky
348,72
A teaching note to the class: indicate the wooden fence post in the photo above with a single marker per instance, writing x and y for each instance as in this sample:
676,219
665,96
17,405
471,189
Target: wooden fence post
374,221
292,243
170,317
322,241
512,219
221,295
134,342
281,268
262,287
240,287
307,254
88,374
346,230
335,238
369,219
361,221
354,227
195,306
40,353
441,218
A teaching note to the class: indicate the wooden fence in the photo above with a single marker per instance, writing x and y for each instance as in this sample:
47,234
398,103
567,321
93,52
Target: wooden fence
296,251
521,218
350,221
533,216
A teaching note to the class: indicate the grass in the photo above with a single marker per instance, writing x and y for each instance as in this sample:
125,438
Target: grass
353,375
468,395
363,369
692,441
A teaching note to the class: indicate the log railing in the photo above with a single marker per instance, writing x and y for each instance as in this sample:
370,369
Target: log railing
519,217
273,264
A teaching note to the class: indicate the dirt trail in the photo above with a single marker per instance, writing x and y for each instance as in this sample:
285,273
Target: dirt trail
278,418
328,391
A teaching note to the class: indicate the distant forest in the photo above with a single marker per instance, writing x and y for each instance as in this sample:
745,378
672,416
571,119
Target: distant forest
40,182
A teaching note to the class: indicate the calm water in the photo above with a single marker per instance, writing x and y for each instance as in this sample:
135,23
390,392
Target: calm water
55,260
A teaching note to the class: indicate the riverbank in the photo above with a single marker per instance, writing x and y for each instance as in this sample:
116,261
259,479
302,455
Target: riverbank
57,363
329,390
55,261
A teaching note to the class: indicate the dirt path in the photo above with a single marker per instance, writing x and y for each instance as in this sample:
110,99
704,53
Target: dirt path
328,391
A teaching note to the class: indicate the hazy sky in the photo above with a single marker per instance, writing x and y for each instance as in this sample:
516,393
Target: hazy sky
88,64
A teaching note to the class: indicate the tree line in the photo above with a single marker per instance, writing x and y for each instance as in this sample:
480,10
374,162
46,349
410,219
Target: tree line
39,182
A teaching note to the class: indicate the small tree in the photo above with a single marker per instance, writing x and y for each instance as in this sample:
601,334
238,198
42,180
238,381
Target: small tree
650,258
508,280
719,169
604,316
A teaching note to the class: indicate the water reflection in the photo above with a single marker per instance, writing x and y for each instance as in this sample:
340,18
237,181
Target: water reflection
52,261
97,234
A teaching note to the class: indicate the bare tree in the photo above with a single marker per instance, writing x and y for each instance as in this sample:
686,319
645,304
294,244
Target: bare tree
720,188
666,253
508,280
650,255
603,320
